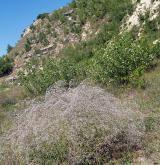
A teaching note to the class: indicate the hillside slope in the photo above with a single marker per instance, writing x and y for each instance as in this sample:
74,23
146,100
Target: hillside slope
56,106
77,22
81,21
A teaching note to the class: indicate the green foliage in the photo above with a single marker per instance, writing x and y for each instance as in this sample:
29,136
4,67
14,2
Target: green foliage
27,45
6,65
37,51
8,103
32,27
121,58
48,154
92,11
107,32
9,48
62,18
76,28
97,9
156,49
43,16
104,59
122,61
135,79
43,39
55,15
37,81
67,69
151,27
58,15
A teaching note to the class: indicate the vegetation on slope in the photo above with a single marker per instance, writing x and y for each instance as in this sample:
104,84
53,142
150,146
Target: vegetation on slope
122,61
6,66
76,59
104,58
107,58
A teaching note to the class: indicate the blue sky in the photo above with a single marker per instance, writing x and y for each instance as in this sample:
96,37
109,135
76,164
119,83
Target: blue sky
16,15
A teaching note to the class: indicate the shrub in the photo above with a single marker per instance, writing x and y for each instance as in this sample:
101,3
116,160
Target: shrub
6,65
75,28
43,39
67,69
54,153
156,49
37,81
62,18
9,48
37,51
73,65
55,15
120,59
27,45
97,9
42,16
107,32
32,27
151,26
8,103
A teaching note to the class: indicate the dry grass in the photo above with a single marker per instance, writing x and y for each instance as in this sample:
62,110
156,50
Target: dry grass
10,95
148,102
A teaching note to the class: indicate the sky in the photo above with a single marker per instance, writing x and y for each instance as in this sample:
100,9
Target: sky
16,15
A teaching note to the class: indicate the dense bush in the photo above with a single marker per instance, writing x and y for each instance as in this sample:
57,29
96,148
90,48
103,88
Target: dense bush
56,153
97,9
121,59
43,39
6,65
42,16
150,26
27,45
37,81
9,48
151,29
156,49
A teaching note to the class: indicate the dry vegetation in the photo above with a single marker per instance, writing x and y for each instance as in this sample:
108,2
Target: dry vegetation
76,126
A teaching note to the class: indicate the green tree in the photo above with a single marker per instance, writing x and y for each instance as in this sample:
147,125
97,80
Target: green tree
6,65
9,48
27,46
